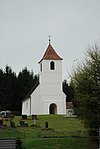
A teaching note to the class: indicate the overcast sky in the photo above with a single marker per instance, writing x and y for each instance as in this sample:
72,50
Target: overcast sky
26,24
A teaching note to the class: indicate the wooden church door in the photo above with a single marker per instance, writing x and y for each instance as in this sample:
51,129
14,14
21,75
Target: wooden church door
53,109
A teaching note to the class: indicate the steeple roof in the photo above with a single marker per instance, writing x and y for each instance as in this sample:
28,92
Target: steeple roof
50,54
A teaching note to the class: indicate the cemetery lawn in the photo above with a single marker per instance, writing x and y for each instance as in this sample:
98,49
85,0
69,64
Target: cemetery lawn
62,133
61,143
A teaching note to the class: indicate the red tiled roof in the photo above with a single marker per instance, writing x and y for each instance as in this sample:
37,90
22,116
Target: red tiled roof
50,54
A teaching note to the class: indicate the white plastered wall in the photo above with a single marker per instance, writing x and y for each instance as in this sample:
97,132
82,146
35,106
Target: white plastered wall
26,107
48,92
35,101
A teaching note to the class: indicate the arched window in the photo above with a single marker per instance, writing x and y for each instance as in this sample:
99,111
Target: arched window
52,65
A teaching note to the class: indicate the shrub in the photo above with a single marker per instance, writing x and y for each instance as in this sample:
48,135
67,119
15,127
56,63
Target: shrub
24,116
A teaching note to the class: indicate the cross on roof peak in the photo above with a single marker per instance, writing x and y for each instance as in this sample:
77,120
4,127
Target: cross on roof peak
49,39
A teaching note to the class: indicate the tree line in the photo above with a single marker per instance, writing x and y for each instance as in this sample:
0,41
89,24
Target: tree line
14,88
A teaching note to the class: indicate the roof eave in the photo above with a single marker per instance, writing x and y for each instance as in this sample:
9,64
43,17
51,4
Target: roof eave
49,59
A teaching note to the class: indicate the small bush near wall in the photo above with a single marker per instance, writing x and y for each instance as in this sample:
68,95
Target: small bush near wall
12,124
19,144
16,113
24,116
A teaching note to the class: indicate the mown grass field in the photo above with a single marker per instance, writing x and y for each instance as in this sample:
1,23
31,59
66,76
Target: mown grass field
62,143
63,133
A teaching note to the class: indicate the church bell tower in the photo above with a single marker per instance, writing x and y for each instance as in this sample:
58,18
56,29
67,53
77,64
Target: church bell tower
50,77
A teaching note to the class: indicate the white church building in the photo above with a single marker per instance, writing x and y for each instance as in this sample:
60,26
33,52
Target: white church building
46,96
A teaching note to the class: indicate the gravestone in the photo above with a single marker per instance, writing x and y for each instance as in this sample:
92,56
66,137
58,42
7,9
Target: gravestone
34,117
46,125
22,123
1,121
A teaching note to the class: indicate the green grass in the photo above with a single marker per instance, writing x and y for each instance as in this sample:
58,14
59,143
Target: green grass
61,123
55,143
56,137
58,124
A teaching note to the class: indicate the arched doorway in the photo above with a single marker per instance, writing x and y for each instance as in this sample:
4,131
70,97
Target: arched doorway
53,108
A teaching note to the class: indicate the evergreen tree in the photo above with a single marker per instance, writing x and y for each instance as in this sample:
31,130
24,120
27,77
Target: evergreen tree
68,89
13,89
7,88
1,88
25,81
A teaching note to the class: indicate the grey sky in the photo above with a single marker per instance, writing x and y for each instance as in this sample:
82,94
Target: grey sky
26,24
